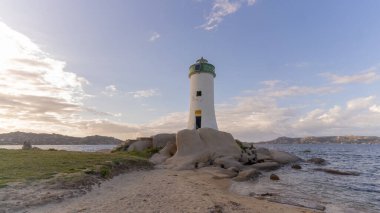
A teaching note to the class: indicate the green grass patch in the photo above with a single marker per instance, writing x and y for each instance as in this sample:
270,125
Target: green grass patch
147,153
31,165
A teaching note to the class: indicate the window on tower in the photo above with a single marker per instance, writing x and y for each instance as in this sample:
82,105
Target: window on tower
199,93
197,67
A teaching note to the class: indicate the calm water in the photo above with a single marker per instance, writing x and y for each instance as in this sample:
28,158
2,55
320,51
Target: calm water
82,148
337,193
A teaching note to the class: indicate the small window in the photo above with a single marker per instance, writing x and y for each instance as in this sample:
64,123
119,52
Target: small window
199,93
197,67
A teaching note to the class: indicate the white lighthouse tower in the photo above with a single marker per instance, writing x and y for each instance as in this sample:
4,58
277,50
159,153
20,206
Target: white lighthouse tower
202,111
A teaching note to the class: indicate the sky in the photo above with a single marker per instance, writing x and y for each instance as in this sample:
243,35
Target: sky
120,68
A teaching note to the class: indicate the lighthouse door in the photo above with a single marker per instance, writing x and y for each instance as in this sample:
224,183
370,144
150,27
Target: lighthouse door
198,122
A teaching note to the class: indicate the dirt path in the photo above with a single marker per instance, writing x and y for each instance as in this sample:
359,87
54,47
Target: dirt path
165,191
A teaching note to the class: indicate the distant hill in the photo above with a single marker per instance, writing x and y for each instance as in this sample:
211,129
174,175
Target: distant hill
18,138
326,140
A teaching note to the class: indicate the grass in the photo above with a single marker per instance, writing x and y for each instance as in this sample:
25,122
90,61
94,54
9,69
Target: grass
30,165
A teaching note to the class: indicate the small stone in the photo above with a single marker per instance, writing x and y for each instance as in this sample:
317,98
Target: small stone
296,166
274,177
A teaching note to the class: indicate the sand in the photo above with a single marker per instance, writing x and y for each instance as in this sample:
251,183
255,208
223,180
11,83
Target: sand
162,190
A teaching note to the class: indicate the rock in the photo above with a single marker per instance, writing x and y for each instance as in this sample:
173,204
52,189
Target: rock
274,177
219,173
140,145
248,174
158,158
234,169
262,154
204,146
283,157
227,162
160,140
318,161
337,172
307,151
266,166
27,145
244,158
296,166
170,149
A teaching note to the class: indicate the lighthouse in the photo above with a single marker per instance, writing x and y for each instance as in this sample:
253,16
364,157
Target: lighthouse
202,111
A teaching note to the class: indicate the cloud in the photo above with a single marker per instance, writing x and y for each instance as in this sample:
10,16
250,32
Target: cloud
110,90
154,37
360,103
144,93
36,91
222,8
375,108
366,77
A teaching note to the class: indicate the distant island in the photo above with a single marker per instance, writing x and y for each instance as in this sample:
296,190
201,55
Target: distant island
18,138
326,140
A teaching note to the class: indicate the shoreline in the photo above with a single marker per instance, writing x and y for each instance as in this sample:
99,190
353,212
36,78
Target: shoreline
162,190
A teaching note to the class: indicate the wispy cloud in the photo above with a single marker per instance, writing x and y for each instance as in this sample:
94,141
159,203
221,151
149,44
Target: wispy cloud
110,90
221,9
154,36
367,76
144,93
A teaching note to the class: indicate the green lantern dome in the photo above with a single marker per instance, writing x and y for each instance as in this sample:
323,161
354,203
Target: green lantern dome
202,65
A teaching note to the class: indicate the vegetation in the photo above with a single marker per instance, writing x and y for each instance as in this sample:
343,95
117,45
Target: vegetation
29,165
146,153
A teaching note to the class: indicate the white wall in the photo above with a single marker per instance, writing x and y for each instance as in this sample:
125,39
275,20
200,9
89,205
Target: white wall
202,82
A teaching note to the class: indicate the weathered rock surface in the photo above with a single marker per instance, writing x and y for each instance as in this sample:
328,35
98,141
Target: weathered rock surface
266,166
337,172
228,162
202,146
160,140
262,154
140,145
248,174
158,158
283,157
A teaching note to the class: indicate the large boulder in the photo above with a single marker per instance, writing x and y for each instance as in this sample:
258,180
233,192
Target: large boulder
283,157
228,162
169,150
140,145
160,140
202,146
262,154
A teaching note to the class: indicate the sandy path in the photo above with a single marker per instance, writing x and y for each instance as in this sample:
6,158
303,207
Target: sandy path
164,191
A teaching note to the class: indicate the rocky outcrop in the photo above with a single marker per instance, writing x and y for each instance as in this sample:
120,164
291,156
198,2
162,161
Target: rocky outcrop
202,146
140,145
160,140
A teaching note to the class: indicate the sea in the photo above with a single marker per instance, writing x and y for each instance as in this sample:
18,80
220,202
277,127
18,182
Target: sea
310,188
80,148
306,187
